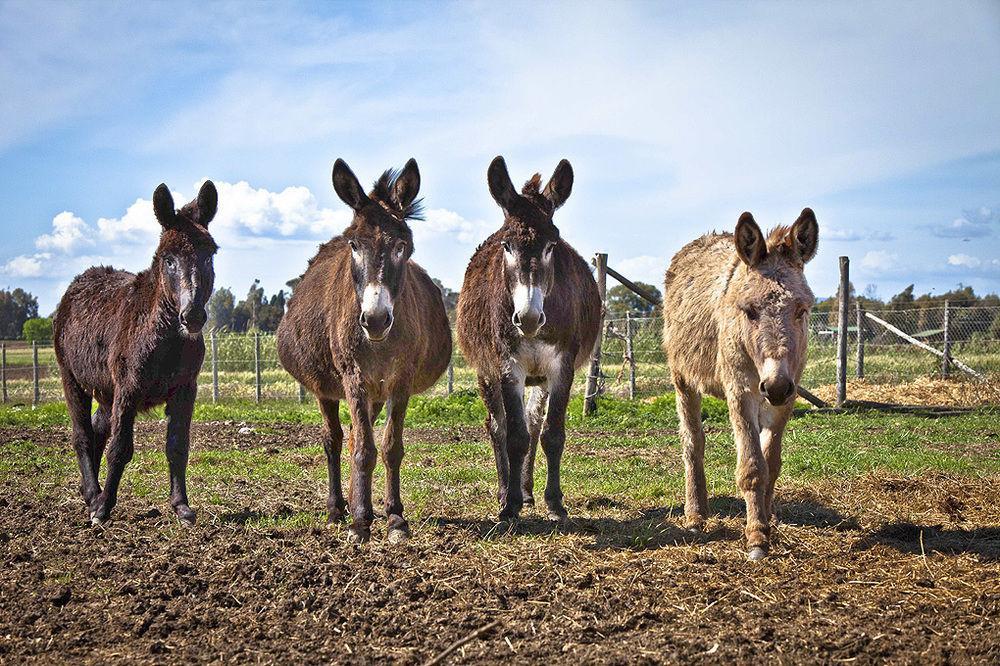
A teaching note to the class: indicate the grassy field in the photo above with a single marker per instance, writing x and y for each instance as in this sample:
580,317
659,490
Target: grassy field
887,532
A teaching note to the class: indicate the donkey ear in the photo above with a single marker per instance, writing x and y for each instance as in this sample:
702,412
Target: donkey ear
805,234
208,203
346,184
407,185
750,243
500,184
163,207
561,184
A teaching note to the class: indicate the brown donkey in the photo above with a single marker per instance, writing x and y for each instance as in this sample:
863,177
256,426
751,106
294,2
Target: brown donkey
368,325
735,323
528,314
133,342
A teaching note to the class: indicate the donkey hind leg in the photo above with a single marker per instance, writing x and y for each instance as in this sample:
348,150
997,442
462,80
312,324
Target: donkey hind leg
512,392
333,444
693,441
554,438
752,473
392,457
537,402
376,409
496,426
772,427
101,422
78,402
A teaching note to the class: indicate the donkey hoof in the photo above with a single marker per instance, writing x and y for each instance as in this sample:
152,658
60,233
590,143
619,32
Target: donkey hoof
185,514
398,536
559,515
529,499
509,515
358,535
757,553
96,520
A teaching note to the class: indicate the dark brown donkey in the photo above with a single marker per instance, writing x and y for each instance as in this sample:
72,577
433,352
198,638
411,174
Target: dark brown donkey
528,314
368,325
133,342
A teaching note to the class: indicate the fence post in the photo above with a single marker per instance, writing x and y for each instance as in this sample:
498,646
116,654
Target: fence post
630,355
860,370
3,369
593,377
302,394
845,297
256,362
946,359
215,367
451,376
34,371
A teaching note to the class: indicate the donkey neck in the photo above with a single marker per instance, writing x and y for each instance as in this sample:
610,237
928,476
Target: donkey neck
155,308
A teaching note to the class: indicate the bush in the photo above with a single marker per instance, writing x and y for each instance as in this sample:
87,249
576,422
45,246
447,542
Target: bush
38,329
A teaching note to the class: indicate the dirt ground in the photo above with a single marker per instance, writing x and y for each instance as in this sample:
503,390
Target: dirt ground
869,569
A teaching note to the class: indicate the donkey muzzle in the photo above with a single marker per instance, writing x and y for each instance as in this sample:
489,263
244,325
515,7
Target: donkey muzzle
529,322
778,391
376,325
193,320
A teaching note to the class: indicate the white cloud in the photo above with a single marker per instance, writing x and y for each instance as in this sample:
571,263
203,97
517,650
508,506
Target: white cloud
829,233
442,222
644,268
964,260
69,233
26,266
879,261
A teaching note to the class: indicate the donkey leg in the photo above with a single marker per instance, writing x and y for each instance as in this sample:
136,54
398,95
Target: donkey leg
180,407
101,423
496,426
537,402
376,409
554,437
693,441
392,458
333,443
773,421
363,456
78,403
512,392
751,471
120,450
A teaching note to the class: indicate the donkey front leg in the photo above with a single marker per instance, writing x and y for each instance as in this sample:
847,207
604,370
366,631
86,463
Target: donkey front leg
363,456
512,392
496,427
180,406
78,403
772,428
752,474
119,453
554,436
693,442
392,458
333,444
537,402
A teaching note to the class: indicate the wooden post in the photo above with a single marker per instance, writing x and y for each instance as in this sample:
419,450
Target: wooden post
629,354
34,371
451,377
256,362
860,369
3,369
215,367
946,359
302,394
845,297
593,377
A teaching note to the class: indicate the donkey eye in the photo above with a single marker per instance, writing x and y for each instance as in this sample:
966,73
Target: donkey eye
506,247
353,246
548,250
751,313
171,263
400,250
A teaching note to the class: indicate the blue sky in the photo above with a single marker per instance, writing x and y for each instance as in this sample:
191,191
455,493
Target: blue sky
884,117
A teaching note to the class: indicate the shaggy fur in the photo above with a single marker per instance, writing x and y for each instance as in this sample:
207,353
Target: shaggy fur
322,343
133,342
735,323
504,360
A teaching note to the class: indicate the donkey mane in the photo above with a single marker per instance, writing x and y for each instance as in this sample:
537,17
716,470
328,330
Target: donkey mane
382,193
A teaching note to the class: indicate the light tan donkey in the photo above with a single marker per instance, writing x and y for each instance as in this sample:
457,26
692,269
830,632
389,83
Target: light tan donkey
735,313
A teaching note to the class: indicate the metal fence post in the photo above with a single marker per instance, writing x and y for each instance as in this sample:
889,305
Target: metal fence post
860,369
593,377
34,371
845,297
946,359
256,362
451,376
630,355
302,394
3,369
215,367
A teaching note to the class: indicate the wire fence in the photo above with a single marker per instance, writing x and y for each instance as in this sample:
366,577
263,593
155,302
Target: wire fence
244,366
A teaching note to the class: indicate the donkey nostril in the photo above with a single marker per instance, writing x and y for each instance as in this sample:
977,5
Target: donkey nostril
541,320
363,319
517,319
763,388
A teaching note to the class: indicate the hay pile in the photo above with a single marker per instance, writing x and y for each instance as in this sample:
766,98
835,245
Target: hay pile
924,391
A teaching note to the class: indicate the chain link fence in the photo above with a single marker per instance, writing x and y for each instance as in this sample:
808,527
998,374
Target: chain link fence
244,366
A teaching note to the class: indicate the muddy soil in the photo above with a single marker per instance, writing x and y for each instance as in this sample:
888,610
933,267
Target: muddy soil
864,570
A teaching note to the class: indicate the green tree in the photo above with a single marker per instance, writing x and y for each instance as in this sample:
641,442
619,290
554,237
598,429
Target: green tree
622,300
450,299
16,307
220,310
38,329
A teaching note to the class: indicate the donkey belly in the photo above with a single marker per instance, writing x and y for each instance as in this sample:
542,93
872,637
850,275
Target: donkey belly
534,363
